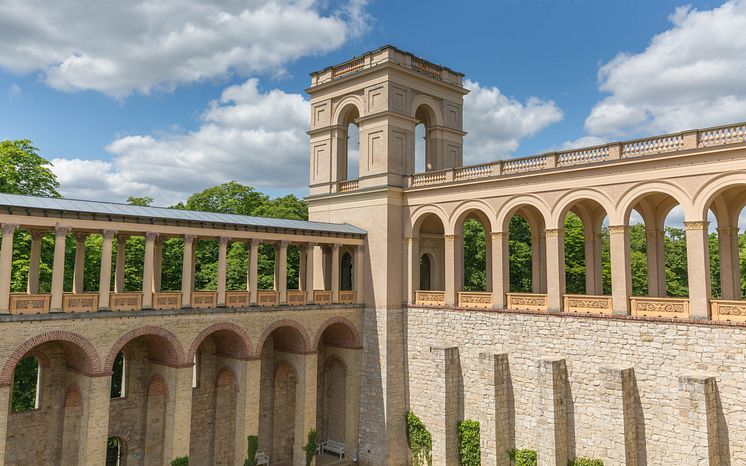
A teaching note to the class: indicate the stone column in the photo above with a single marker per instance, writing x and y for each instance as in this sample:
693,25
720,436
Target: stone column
95,421
186,272
58,268
121,258
445,409
34,262
305,399
698,260
451,279
157,278
538,261
359,273
621,273
730,272
6,266
699,409
335,273
555,268
5,391
618,400
253,269
413,268
79,270
302,268
656,262
222,269
178,413
247,405
310,265
500,265
104,283
496,419
148,271
593,260
281,271
551,428
488,282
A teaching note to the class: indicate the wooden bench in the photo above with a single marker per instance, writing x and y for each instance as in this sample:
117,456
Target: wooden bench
334,447
261,458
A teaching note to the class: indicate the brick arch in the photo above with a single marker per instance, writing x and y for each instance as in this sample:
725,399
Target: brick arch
80,354
238,343
355,341
279,324
172,354
335,357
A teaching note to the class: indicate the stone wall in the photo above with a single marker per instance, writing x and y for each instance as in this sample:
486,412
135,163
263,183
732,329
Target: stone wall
627,391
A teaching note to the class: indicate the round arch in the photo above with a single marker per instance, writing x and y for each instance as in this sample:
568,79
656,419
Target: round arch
172,352
344,106
480,209
506,212
569,200
283,323
353,339
431,106
709,191
633,195
420,214
237,342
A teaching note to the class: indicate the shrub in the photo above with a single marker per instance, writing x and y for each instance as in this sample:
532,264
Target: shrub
310,447
468,443
180,461
585,462
252,450
420,441
523,457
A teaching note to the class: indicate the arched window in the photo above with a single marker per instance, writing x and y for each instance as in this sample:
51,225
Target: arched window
195,371
424,150
345,277
26,384
425,271
114,450
118,385
348,165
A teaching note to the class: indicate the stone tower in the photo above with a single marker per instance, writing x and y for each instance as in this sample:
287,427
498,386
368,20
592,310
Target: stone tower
386,93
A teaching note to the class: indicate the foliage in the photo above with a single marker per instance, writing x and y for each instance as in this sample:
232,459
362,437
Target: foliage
419,439
141,201
180,461
24,171
585,462
519,248
475,265
311,447
468,443
116,376
252,450
523,457
25,378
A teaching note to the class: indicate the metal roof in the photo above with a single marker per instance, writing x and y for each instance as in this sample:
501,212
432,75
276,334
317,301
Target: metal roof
111,208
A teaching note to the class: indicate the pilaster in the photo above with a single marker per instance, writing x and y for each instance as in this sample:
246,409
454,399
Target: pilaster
445,409
496,419
551,426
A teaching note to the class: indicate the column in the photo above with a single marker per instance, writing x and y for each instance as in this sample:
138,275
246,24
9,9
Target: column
302,268
500,266
34,262
496,425
247,405
445,410
698,412
551,428
104,284
617,399
158,266
698,260
538,261
94,423
222,266
58,268
451,279
310,265
621,272
359,273
79,269
6,266
593,261
656,258
121,258
253,269
335,273
281,271
305,418
148,274
730,272
178,413
555,244
413,268
186,272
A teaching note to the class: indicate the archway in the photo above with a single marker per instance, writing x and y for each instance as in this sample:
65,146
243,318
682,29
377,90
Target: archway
526,227
345,271
424,153
428,248
726,208
348,164
115,449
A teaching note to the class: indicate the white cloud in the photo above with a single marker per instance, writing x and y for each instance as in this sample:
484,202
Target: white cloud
689,76
496,123
117,47
254,137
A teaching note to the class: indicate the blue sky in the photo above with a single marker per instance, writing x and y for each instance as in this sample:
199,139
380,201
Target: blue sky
127,100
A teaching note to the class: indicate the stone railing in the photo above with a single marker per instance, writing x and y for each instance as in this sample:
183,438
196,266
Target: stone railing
22,303
347,296
474,171
129,301
582,156
322,297
237,298
720,135
587,304
79,302
204,299
656,145
267,298
296,297
347,186
430,298
425,67
527,301
526,164
734,311
422,179
475,299
643,306
349,67
167,300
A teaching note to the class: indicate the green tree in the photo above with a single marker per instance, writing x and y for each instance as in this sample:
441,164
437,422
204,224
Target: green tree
475,267
574,254
519,247
141,201
24,171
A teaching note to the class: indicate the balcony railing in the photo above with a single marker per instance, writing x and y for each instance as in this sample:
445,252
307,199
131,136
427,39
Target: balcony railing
347,186
322,297
128,301
475,299
167,300
80,302
267,298
430,298
587,304
527,301
204,299
237,298
22,303
733,311
676,308
296,297
347,296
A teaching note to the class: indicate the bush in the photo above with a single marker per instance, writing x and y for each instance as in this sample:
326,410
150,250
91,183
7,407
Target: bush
310,447
468,443
180,461
420,441
252,450
522,457
585,462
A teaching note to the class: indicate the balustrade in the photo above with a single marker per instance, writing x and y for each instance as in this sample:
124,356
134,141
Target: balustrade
588,304
347,296
526,164
22,303
322,297
237,298
296,298
676,308
126,301
430,298
422,179
166,300
347,186
527,301
267,298
723,135
733,311
474,171
204,299
476,300
80,302
583,156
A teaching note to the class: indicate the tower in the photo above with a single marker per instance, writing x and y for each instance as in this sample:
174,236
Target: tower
385,93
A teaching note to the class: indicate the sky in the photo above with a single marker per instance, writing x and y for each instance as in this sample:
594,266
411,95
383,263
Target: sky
166,98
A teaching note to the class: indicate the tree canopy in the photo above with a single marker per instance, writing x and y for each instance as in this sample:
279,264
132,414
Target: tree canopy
24,171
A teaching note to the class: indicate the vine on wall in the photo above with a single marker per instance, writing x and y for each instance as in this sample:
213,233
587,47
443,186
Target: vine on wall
468,443
524,457
420,441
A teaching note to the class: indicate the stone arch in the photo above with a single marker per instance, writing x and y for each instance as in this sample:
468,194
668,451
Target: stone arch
353,340
420,214
287,323
633,195
236,341
344,106
709,191
480,209
431,106
507,211
81,354
172,353
567,201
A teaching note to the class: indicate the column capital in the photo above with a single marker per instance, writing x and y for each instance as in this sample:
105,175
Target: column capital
109,234
10,228
450,237
727,230
151,236
80,236
123,238
613,229
189,238
224,240
497,235
336,246
284,244
310,245
36,235
61,231
254,242
552,232
696,225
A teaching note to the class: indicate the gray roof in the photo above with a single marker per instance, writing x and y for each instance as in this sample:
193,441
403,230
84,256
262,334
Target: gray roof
111,208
